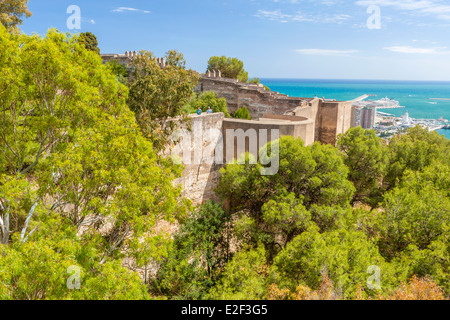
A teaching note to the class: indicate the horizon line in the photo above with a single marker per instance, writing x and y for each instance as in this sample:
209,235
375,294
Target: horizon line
351,79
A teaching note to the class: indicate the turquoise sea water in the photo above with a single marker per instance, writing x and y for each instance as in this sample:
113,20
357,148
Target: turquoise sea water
414,95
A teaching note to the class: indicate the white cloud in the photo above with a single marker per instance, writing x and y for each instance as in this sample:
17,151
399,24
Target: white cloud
415,50
278,15
430,7
88,20
127,9
326,52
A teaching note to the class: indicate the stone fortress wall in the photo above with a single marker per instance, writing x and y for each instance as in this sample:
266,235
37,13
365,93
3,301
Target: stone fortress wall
204,149
311,119
330,118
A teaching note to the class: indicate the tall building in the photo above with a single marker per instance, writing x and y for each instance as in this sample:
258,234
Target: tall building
365,117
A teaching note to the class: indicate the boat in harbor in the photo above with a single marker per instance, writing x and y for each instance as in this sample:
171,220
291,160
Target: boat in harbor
384,103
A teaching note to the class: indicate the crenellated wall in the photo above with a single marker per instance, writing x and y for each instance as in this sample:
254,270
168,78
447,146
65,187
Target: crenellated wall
257,99
330,118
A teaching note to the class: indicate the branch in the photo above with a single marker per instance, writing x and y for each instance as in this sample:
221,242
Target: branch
85,222
5,228
30,214
31,232
114,246
58,204
37,156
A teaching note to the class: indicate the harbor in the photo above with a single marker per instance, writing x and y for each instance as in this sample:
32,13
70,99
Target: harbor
368,116
388,125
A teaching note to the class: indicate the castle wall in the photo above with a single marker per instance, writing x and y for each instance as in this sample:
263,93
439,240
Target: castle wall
310,119
258,100
330,118
203,149
266,130
201,174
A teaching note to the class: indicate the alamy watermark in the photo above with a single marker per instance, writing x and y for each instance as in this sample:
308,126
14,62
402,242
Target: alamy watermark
207,146
374,21
74,20
74,281
374,281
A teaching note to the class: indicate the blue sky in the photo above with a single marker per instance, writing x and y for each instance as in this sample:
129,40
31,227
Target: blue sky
275,38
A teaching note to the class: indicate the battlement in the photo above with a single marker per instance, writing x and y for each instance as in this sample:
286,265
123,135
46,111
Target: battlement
127,58
329,117
213,73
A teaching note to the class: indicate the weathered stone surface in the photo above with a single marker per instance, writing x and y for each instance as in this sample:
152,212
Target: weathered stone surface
203,150
330,118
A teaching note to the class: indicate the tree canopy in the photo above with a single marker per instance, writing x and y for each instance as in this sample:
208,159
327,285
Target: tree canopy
205,100
242,113
157,95
366,156
89,40
80,186
12,13
232,68
257,81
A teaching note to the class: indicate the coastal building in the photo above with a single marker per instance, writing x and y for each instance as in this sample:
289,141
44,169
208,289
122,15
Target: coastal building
406,120
364,117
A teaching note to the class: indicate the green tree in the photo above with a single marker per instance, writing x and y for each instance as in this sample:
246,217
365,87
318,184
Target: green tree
89,40
341,255
205,100
311,185
72,151
231,68
415,150
158,95
200,251
244,278
242,113
12,12
416,212
120,71
367,159
41,268
433,262
175,59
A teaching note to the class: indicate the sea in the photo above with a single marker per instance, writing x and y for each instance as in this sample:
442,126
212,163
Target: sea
417,97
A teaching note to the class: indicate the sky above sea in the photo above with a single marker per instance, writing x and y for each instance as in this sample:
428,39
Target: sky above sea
328,39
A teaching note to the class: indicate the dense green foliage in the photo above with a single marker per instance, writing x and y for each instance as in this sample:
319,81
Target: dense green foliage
199,252
231,68
79,184
85,191
205,100
242,113
121,72
159,94
366,157
12,12
89,40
